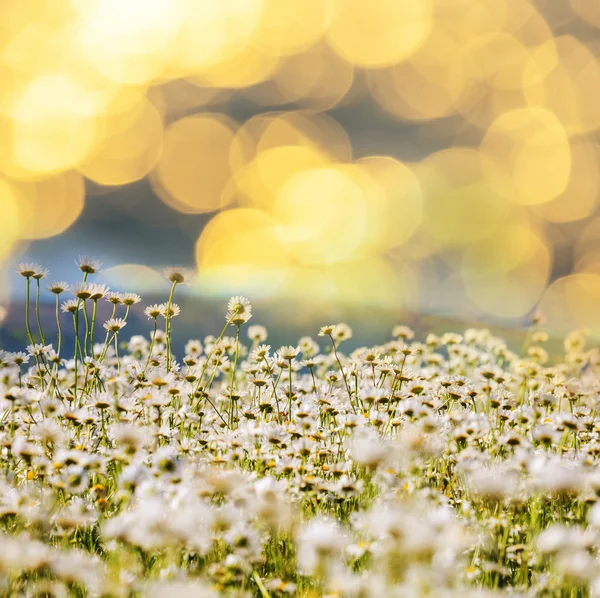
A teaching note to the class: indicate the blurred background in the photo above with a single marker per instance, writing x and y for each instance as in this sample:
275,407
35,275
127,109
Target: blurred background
380,161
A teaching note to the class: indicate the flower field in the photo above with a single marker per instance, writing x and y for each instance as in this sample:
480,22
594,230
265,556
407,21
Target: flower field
440,467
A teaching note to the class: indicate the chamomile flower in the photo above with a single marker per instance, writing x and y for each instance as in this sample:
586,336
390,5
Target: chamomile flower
71,306
88,265
288,353
130,298
58,287
114,324
170,311
154,311
239,310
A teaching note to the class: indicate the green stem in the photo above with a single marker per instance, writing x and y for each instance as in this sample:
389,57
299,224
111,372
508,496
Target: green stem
290,397
37,311
106,341
77,348
151,347
168,324
233,369
58,327
117,352
343,373
93,332
27,325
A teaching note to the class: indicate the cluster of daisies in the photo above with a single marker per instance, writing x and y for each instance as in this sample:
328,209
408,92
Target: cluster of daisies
447,467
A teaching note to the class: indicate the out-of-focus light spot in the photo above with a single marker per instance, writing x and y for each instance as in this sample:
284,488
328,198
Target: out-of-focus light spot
565,78
363,282
49,206
571,302
395,214
11,223
308,208
588,239
580,197
291,26
588,10
200,154
472,17
316,78
459,207
419,88
380,32
247,68
310,129
486,77
529,156
128,41
133,277
213,33
589,262
130,147
54,126
506,274
258,183
239,249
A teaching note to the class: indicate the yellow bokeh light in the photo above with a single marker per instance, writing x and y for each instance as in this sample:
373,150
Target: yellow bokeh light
128,151
54,126
308,208
529,156
571,302
459,207
587,9
50,205
311,129
380,32
362,282
239,249
580,198
395,213
258,183
213,33
200,154
506,274
249,67
316,78
11,223
138,276
291,26
486,77
564,77
128,41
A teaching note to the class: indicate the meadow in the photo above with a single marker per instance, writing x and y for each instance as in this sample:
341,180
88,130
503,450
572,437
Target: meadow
447,466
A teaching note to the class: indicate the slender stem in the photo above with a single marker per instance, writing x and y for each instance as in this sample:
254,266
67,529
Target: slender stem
117,352
233,369
106,342
37,311
87,328
343,373
291,391
205,366
93,332
77,347
151,347
27,326
168,324
270,371
58,327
